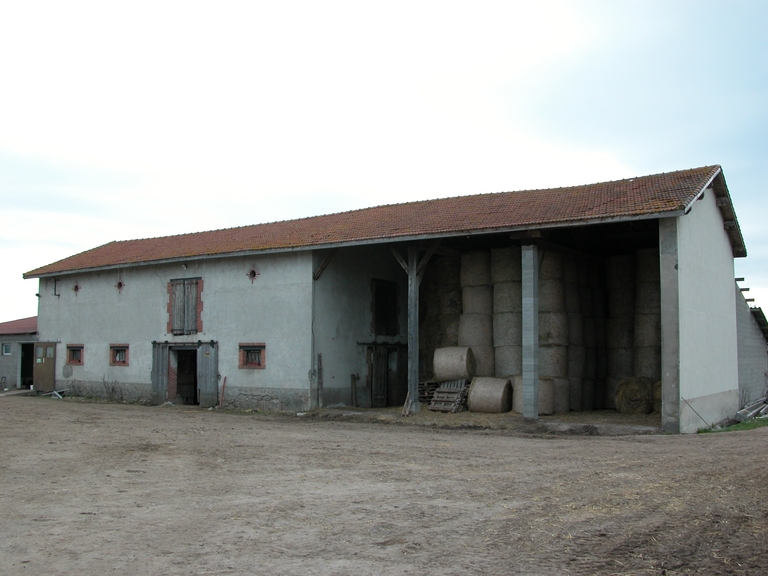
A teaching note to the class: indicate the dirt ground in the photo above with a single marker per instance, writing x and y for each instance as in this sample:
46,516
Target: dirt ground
89,488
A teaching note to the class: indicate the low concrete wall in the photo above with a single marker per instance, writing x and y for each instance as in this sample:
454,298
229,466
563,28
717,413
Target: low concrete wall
291,399
704,411
108,390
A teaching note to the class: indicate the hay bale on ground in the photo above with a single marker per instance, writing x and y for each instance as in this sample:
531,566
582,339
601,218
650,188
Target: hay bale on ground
634,395
454,363
489,395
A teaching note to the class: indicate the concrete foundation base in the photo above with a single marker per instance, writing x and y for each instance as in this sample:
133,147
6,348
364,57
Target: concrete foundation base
704,411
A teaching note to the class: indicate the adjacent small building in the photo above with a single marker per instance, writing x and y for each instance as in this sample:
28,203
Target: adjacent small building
567,290
17,339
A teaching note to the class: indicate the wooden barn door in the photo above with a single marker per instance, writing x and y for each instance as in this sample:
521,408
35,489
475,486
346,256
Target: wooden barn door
208,374
44,372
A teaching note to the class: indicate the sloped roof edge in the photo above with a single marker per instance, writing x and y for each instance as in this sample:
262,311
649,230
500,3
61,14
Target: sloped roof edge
666,194
21,326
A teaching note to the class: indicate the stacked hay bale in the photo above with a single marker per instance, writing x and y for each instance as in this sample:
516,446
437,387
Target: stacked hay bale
600,312
441,309
576,349
620,280
647,330
506,277
476,321
586,306
553,335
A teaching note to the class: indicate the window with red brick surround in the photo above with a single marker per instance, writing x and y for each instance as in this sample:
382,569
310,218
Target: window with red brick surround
253,356
75,354
118,354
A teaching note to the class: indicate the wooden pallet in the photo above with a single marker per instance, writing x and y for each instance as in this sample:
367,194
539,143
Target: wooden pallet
450,397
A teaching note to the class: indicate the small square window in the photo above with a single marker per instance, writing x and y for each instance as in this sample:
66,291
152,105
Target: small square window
118,354
74,354
253,356
6,349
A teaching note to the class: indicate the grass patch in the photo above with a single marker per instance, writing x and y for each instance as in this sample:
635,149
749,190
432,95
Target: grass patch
748,425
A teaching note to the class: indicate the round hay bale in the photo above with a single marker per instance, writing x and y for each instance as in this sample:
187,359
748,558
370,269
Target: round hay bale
646,362
477,299
647,330
476,330
590,363
489,395
551,267
475,268
551,296
506,265
575,329
620,362
621,303
508,361
619,272
546,395
609,393
485,365
657,397
601,371
507,297
553,328
647,265
570,271
586,300
576,394
508,329
599,304
634,395
648,298
601,333
449,302
577,356
561,395
598,399
572,297
587,394
553,361
588,332
454,363
620,332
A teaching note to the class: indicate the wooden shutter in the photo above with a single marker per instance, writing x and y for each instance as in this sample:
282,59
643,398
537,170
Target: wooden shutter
177,306
190,306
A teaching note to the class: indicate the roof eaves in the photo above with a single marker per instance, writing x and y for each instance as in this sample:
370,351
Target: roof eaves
376,240
728,212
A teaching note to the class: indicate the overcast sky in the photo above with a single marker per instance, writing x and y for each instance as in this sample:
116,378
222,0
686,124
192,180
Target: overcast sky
139,119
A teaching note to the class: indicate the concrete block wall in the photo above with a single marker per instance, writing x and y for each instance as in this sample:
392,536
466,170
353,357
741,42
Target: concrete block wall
753,353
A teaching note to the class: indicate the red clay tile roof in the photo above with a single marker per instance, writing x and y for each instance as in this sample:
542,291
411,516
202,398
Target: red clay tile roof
634,197
22,326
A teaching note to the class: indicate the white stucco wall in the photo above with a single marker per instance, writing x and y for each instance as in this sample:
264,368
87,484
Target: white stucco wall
707,318
343,315
274,309
753,355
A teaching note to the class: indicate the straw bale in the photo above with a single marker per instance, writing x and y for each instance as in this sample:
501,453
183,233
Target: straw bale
477,299
620,332
476,330
553,361
489,395
507,297
453,363
475,268
508,329
576,394
508,361
561,395
506,265
553,328
634,395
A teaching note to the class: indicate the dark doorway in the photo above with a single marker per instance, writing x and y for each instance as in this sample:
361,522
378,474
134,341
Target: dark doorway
27,365
387,374
186,376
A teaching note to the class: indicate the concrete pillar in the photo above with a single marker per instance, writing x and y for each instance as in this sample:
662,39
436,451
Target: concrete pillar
670,326
530,289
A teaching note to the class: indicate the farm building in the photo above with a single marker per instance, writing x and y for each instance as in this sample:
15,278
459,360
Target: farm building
17,340
567,290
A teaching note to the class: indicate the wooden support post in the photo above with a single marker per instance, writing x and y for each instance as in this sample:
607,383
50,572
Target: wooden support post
414,279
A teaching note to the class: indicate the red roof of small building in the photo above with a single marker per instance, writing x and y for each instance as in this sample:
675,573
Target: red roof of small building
22,326
622,199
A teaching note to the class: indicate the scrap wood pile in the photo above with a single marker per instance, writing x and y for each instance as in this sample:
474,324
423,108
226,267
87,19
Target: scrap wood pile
427,390
450,396
753,410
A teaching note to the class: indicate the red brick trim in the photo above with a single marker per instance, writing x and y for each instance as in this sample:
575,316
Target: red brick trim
112,349
244,347
69,354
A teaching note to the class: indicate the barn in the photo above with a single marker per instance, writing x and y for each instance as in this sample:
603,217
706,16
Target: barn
566,290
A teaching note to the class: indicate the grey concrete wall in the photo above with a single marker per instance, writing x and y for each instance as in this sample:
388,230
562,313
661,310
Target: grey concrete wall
275,309
10,366
753,354
343,317
707,313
